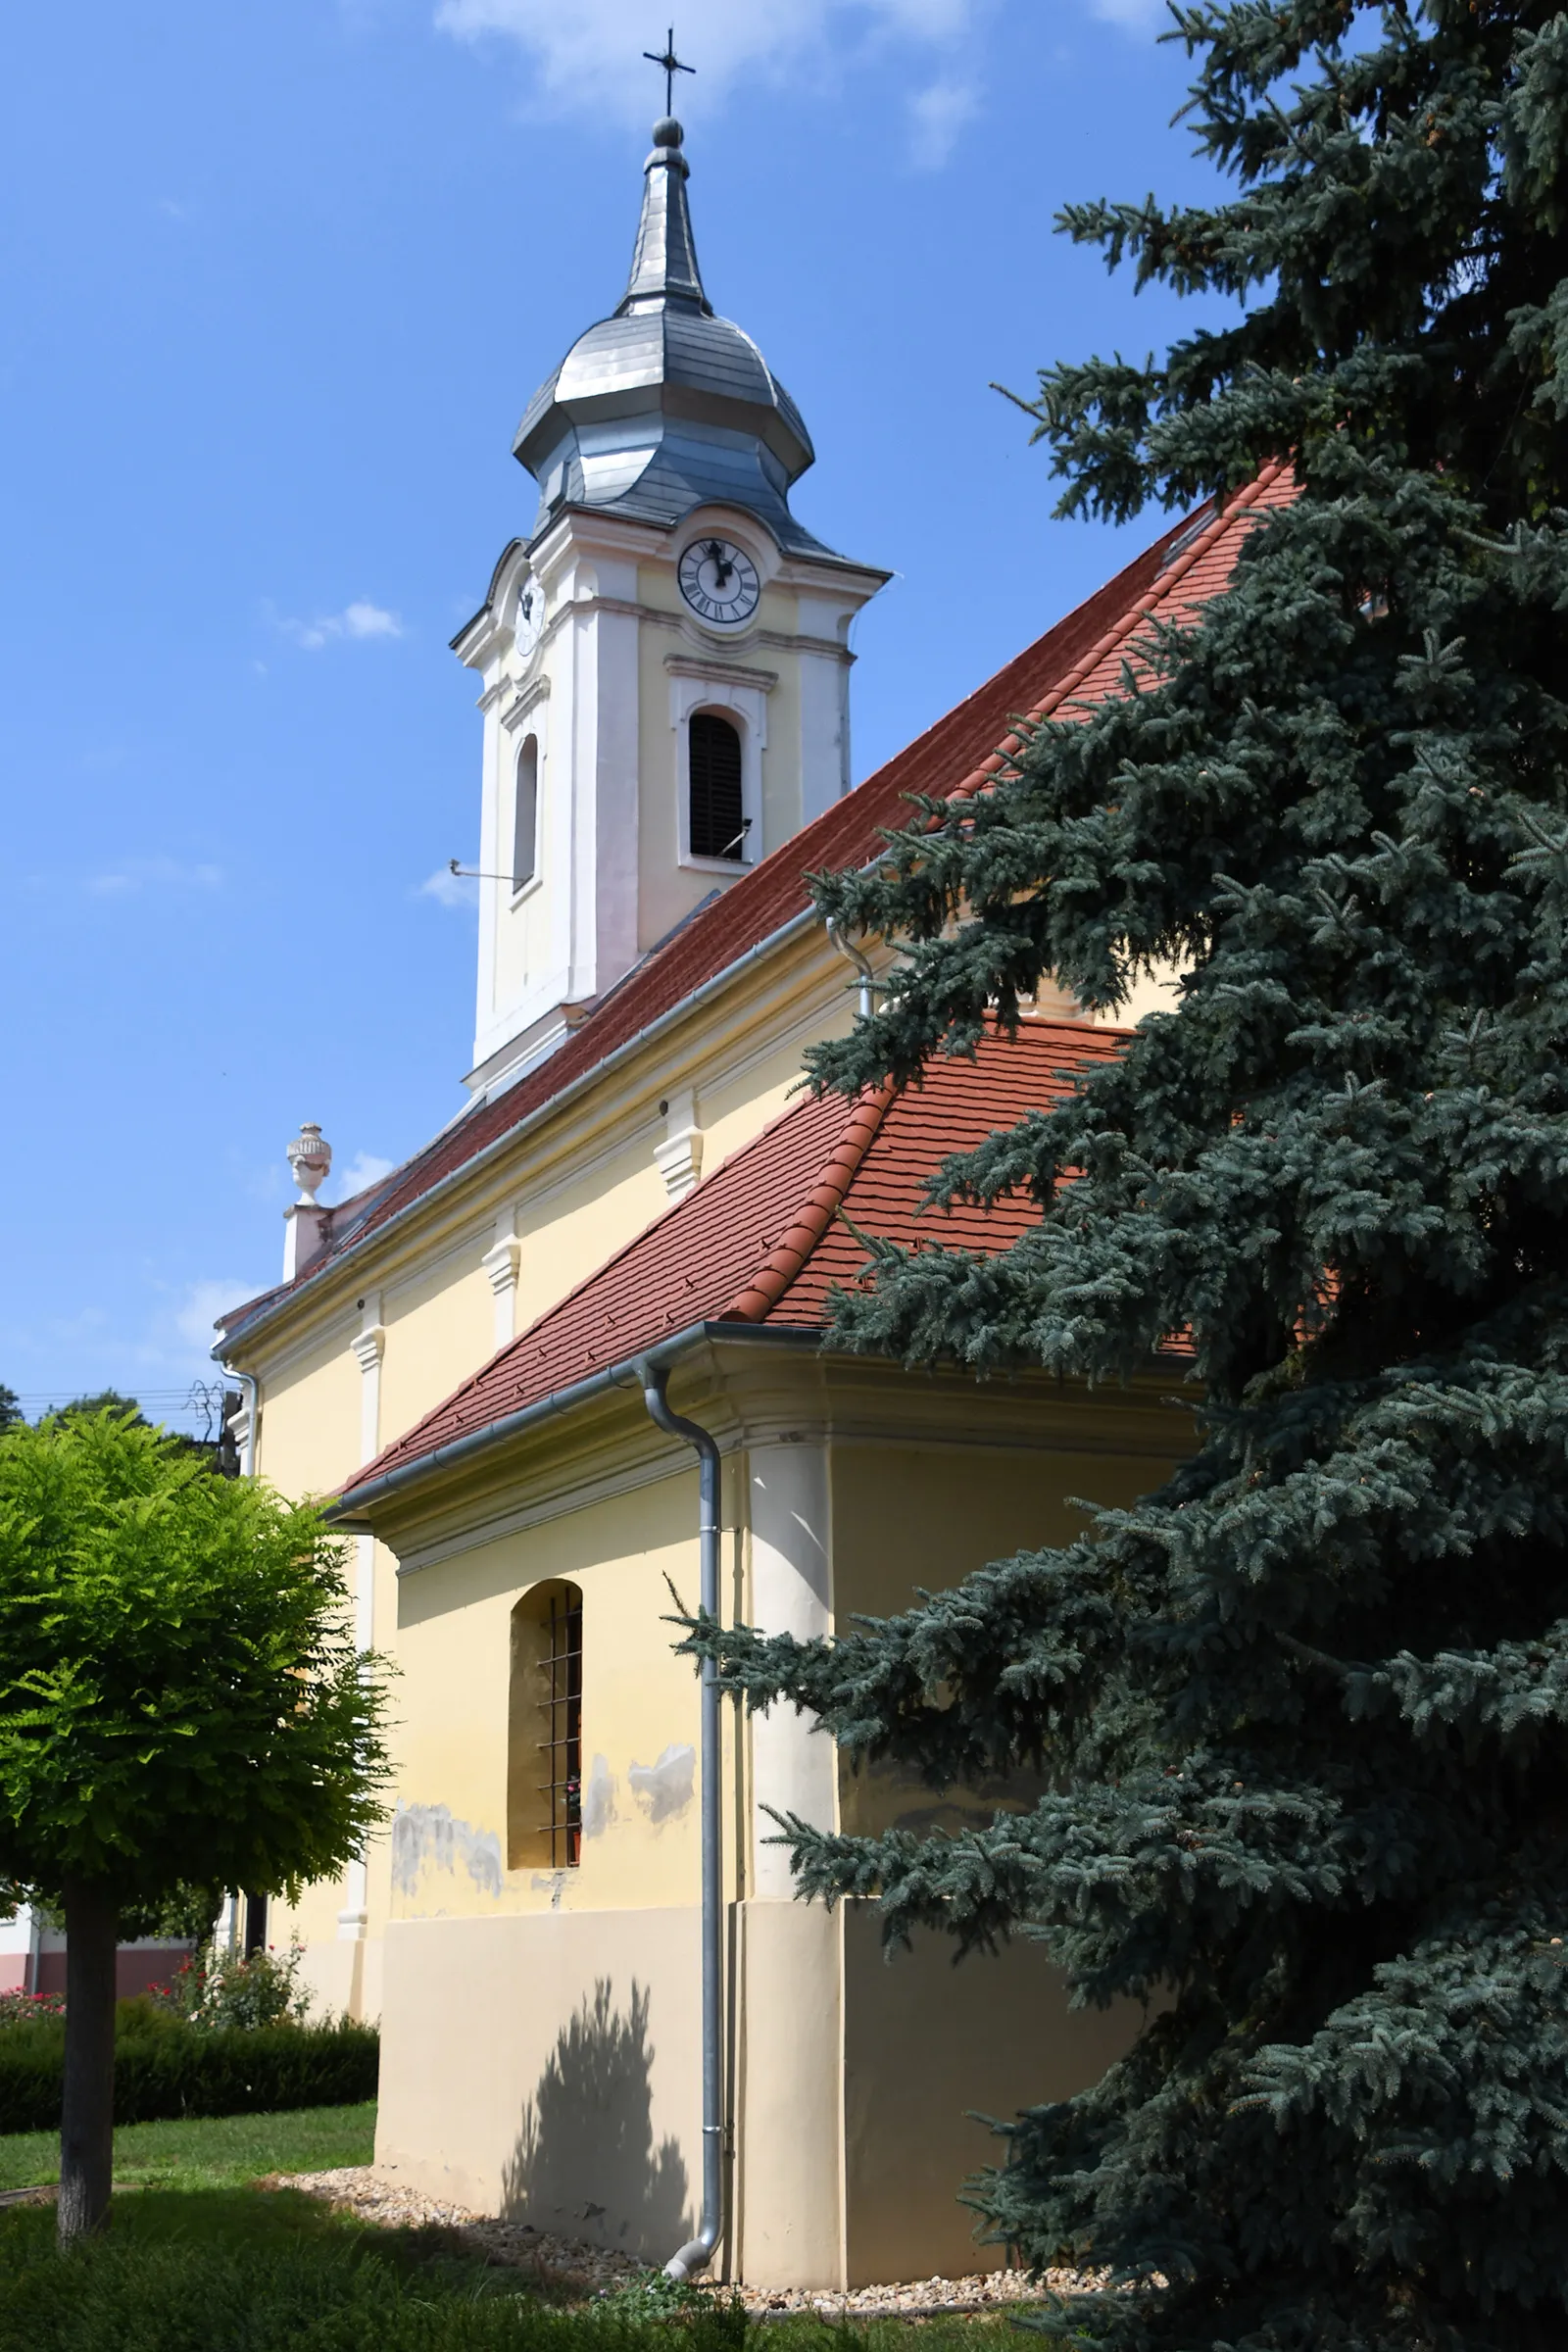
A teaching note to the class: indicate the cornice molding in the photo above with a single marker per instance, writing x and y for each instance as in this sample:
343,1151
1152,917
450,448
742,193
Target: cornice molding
749,1392
529,697
712,668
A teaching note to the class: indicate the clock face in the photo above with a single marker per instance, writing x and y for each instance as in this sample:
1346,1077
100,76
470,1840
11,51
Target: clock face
529,618
718,581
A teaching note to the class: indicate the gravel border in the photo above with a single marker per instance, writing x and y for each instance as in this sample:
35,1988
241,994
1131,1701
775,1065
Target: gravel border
571,2266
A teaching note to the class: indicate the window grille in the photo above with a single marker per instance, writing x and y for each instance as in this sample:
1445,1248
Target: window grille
544,1730
561,1748
714,748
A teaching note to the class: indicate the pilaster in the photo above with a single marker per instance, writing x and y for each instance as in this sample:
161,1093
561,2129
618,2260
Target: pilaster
680,1157
794,1765
502,1262
370,1348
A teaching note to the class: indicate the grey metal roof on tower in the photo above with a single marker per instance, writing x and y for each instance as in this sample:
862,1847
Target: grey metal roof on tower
664,406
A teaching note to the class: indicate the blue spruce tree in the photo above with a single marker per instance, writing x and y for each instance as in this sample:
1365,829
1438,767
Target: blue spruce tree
1304,1714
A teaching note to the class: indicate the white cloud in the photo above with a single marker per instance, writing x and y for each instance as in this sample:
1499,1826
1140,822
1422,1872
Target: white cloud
939,113
359,621
151,873
449,889
589,56
202,1302
362,1171
370,620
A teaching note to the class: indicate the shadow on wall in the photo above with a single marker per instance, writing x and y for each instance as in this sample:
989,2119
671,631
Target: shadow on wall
584,2163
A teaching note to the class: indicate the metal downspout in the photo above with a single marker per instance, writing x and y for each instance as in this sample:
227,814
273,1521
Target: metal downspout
867,1002
698,2253
247,1467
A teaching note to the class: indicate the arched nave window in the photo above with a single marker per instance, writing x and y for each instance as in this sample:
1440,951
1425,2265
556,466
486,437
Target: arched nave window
544,1731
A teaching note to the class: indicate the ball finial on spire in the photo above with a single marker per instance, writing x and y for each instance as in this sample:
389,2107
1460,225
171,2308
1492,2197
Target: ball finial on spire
668,132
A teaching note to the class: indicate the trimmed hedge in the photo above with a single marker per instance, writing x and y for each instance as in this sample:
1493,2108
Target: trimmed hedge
166,2067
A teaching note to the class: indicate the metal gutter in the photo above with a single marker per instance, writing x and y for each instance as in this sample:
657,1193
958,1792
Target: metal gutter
627,1372
482,1158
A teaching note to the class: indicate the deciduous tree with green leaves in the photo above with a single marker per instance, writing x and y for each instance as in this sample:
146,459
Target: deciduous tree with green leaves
178,1686
1303,1712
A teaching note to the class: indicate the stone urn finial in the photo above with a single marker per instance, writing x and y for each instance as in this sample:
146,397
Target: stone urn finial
310,1156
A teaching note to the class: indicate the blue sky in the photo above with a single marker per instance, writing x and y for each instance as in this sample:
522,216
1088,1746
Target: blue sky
275,286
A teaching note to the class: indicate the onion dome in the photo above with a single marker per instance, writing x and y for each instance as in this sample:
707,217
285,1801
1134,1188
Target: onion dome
664,406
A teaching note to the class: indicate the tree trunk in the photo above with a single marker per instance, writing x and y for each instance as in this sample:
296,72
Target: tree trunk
88,2119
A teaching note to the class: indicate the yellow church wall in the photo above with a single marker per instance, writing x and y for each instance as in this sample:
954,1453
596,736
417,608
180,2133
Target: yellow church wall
309,1435
928,1514
586,1213
997,2032
736,1102
639,1726
532,2016
439,1320
541,2028
580,1185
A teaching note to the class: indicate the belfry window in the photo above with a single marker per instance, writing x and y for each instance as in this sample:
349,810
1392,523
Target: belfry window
526,816
544,1733
718,828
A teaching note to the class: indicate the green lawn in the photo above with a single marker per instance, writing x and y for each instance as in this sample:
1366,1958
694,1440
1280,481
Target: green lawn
224,2151
197,2261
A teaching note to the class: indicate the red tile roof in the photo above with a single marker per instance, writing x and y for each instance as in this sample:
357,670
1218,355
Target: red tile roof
760,1242
1079,663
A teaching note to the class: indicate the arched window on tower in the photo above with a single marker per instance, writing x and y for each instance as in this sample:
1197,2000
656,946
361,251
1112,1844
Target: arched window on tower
544,1730
716,827
526,816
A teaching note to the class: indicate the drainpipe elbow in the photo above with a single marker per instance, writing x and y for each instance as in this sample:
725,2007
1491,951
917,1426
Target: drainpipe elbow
694,2256
852,955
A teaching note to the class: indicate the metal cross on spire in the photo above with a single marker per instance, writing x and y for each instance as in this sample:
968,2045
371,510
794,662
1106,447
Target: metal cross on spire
672,66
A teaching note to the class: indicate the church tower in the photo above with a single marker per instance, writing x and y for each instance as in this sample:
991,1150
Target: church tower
664,658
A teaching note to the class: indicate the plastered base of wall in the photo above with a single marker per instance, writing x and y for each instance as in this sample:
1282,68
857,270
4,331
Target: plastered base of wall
925,2046
788,2195
344,1974
549,2067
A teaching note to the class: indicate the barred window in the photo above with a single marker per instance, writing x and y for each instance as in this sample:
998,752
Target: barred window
714,746
543,1746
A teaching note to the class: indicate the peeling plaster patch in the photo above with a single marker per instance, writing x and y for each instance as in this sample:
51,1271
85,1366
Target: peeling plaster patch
598,1799
427,1837
666,1788
552,1882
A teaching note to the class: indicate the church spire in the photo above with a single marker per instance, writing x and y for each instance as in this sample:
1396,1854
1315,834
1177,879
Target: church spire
663,262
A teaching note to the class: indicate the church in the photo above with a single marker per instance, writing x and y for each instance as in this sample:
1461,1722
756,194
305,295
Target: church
567,1362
